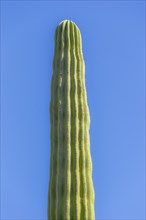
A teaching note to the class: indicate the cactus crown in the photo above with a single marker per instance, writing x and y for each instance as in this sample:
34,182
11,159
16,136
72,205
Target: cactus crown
71,192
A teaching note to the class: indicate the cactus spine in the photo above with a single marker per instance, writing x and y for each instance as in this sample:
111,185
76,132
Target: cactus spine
71,192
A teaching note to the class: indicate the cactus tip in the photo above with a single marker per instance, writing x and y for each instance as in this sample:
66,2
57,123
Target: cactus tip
68,21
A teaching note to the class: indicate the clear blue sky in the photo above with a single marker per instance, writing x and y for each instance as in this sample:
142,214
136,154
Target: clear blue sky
113,48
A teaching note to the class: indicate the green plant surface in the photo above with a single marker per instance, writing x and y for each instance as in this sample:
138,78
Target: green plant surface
71,191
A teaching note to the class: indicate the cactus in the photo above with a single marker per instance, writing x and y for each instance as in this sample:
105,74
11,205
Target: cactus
71,192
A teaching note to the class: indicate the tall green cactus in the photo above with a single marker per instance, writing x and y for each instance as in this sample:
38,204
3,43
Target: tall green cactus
71,192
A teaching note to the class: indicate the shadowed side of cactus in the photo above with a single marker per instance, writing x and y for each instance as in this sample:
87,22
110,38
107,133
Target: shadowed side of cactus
71,192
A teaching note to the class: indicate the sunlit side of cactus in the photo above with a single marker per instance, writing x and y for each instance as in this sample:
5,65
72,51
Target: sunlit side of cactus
71,192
